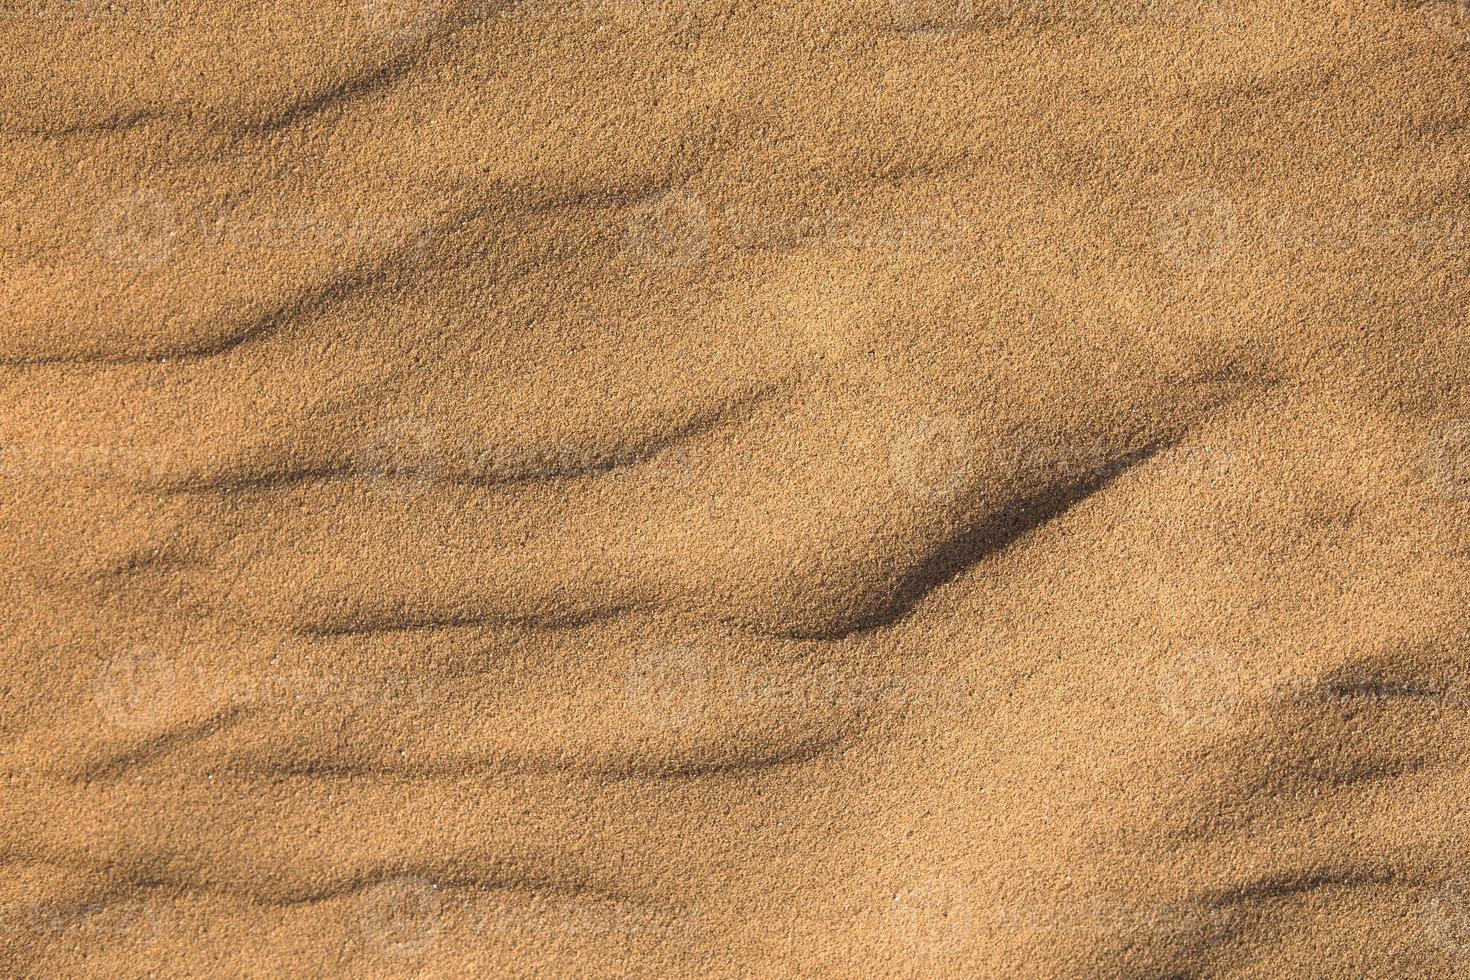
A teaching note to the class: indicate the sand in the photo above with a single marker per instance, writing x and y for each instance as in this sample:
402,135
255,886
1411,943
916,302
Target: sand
704,488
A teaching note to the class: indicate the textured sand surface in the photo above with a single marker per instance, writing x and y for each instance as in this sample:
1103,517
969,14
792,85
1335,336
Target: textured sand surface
672,488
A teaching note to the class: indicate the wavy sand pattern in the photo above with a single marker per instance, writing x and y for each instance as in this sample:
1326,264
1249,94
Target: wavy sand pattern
929,488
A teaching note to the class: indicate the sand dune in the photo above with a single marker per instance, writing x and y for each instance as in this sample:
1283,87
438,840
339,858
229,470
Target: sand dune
931,488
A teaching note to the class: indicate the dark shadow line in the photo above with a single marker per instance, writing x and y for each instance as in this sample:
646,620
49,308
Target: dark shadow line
979,541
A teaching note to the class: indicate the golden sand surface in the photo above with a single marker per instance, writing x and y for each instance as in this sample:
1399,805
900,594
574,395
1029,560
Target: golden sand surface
716,488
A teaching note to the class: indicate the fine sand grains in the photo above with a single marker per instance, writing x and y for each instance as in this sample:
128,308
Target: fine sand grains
591,488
